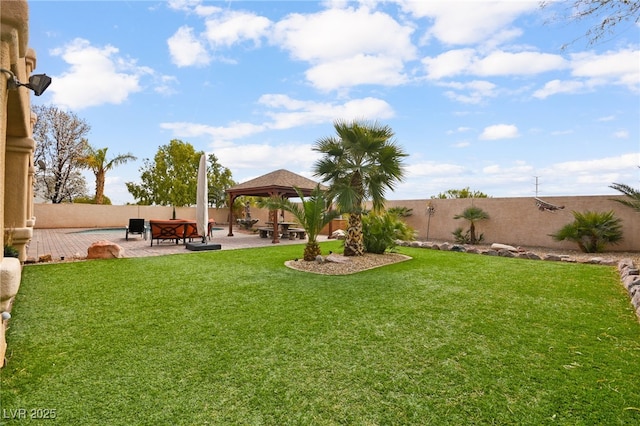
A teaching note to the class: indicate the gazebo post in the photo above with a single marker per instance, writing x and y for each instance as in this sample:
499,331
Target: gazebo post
231,199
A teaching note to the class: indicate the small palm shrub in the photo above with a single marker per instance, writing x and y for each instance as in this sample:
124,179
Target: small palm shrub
381,231
462,237
592,231
472,215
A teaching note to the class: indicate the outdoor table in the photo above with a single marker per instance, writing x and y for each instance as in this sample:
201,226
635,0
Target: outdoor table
284,226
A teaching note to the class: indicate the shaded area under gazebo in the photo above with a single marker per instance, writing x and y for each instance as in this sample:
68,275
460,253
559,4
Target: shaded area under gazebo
280,183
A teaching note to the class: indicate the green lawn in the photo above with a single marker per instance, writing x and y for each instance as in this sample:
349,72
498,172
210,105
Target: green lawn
234,337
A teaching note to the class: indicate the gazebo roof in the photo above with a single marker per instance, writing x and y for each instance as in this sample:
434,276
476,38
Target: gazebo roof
280,182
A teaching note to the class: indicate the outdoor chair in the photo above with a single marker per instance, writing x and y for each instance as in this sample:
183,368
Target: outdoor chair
136,226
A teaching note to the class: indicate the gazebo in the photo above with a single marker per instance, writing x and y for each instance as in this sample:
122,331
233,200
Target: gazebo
281,183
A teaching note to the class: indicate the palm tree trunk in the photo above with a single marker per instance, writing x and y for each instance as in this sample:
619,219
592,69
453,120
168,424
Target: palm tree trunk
472,231
100,178
354,243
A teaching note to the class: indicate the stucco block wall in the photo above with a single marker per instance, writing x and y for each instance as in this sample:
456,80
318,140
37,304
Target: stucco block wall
517,221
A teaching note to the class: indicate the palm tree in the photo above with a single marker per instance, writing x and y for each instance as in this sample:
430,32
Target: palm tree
472,214
96,161
312,214
360,164
592,231
632,194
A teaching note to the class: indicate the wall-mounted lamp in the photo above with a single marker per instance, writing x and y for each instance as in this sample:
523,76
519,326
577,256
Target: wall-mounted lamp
37,82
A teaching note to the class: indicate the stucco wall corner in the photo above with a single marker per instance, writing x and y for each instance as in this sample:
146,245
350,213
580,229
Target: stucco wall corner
14,20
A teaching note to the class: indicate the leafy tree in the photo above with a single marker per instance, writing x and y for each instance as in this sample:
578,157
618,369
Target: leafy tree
60,143
633,195
219,179
312,214
360,164
592,231
472,214
608,15
172,177
96,161
381,231
460,193
92,200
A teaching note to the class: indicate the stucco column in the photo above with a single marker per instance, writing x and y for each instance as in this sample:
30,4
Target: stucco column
16,175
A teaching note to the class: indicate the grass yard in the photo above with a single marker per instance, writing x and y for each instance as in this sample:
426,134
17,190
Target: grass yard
234,337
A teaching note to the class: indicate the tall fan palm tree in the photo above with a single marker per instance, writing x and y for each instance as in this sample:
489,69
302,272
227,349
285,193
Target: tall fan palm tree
96,161
633,195
360,164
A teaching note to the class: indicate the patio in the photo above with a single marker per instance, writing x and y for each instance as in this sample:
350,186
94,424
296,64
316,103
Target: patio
72,243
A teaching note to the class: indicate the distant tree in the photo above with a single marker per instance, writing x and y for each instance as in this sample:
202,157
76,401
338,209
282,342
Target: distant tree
460,193
592,231
360,164
220,179
96,161
172,177
608,15
60,143
473,214
633,195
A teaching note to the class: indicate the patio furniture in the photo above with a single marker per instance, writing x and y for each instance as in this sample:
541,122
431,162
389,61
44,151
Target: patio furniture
136,226
167,230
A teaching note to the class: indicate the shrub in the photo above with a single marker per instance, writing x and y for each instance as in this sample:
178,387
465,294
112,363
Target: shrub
592,231
462,237
11,251
380,232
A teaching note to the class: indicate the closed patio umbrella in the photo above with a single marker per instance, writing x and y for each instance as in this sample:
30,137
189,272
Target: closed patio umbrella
202,210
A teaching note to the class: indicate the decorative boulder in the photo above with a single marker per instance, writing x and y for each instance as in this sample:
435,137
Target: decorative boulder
498,247
105,250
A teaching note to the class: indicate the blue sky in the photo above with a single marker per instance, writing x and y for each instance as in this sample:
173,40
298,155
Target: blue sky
479,94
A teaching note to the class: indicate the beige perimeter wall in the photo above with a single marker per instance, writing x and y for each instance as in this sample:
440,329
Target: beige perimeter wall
514,221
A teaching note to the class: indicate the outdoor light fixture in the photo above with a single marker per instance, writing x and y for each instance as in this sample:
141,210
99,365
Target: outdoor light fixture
37,82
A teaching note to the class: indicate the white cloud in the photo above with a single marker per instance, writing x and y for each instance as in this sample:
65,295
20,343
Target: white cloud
97,75
475,91
186,50
497,63
219,134
592,70
284,113
621,134
554,87
611,67
299,113
234,27
598,165
287,156
347,47
500,131
357,70
470,22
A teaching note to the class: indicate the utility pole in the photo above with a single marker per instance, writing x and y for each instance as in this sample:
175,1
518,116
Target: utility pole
536,185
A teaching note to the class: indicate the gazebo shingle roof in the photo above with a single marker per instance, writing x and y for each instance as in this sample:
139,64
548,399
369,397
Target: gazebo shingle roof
281,181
